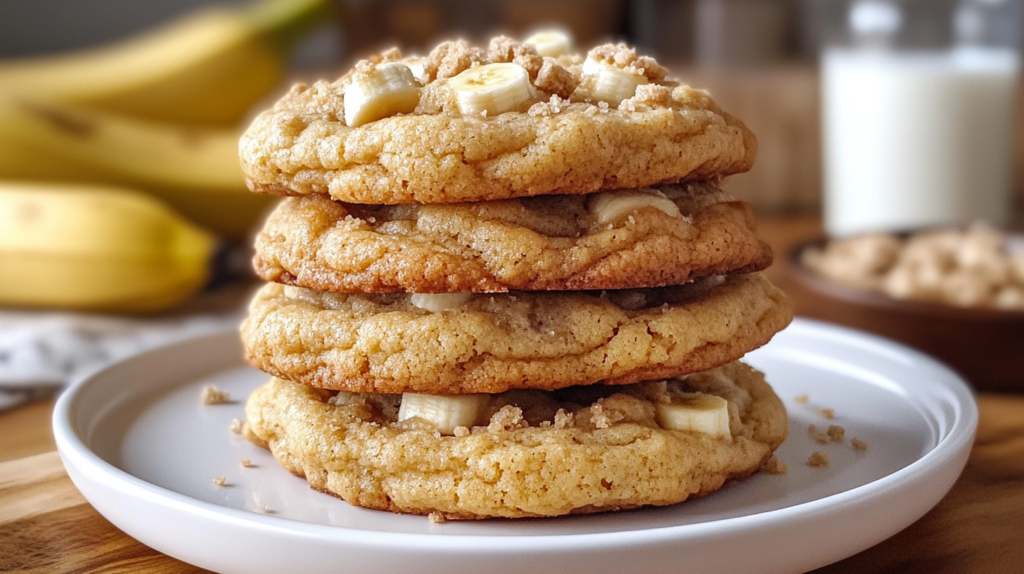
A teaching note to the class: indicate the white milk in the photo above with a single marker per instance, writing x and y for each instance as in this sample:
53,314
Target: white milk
917,139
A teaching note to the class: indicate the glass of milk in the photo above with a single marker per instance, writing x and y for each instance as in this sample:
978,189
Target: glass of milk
917,102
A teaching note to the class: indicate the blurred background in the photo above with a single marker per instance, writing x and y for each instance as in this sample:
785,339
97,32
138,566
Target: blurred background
121,195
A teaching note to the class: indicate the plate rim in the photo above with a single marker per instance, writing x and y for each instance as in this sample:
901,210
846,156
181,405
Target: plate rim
75,452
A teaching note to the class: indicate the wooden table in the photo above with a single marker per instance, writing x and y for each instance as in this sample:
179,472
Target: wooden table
46,525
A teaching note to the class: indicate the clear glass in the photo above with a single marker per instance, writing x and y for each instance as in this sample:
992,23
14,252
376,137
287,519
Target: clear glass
917,102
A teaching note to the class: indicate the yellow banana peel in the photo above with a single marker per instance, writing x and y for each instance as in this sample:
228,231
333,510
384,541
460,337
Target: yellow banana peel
206,68
97,248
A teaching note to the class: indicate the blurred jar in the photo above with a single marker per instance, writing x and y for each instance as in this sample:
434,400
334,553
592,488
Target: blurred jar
917,104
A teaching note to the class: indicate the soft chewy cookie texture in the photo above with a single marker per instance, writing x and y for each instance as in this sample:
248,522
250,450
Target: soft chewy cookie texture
574,451
568,136
492,343
539,243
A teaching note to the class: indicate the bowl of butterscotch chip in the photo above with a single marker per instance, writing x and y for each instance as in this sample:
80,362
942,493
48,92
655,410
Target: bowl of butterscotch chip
955,293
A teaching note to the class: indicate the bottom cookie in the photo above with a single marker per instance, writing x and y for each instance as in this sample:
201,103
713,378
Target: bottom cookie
530,453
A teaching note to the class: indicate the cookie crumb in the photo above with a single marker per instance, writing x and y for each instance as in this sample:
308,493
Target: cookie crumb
246,463
836,433
436,518
775,466
802,399
818,459
819,436
220,481
214,396
564,419
506,419
237,426
827,413
859,445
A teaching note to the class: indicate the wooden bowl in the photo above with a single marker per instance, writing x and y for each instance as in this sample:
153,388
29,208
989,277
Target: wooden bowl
985,345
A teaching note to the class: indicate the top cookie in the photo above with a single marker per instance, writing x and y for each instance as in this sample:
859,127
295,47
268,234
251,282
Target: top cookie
472,124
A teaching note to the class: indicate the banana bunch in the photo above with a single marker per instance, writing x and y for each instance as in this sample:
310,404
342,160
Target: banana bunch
195,170
207,68
97,249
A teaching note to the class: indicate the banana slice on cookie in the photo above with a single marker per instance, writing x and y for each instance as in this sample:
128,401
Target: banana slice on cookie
707,414
442,412
608,83
389,89
550,43
612,206
437,302
491,89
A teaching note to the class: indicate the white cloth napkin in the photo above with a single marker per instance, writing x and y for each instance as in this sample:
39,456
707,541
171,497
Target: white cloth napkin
42,351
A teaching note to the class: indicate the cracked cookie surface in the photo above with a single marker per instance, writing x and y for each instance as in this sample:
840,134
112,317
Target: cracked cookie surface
540,243
560,141
492,343
573,451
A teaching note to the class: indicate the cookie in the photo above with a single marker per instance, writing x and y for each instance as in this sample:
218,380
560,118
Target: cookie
540,454
462,343
575,125
539,243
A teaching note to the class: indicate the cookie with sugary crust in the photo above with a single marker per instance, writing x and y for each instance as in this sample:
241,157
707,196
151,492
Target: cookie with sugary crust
539,454
561,140
538,243
490,343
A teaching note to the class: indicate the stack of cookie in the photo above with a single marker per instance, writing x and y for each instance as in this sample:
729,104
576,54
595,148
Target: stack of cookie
507,284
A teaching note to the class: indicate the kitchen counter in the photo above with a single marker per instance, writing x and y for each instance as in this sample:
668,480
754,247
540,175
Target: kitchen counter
46,525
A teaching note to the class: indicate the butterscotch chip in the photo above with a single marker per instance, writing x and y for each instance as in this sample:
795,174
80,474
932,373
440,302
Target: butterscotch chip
818,460
540,243
665,133
492,343
356,449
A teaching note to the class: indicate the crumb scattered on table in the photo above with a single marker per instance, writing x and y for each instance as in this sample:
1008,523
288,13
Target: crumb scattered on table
246,463
836,433
436,518
220,481
818,459
858,445
237,425
827,413
775,466
802,399
214,396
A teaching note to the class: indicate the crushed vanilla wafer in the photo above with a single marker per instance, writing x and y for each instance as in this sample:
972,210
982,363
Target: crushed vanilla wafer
214,396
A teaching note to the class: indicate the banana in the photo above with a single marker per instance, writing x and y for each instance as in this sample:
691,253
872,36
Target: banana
608,83
418,66
444,413
195,170
613,206
437,302
207,68
491,89
697,412
389,89
96,249
551,43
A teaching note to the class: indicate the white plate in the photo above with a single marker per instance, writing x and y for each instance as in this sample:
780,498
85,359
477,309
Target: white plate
143,450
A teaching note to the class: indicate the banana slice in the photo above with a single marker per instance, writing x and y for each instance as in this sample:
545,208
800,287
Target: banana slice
443,413
612,206
608,83
437,302
418,66
390,89
491,89
551,43
697,412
